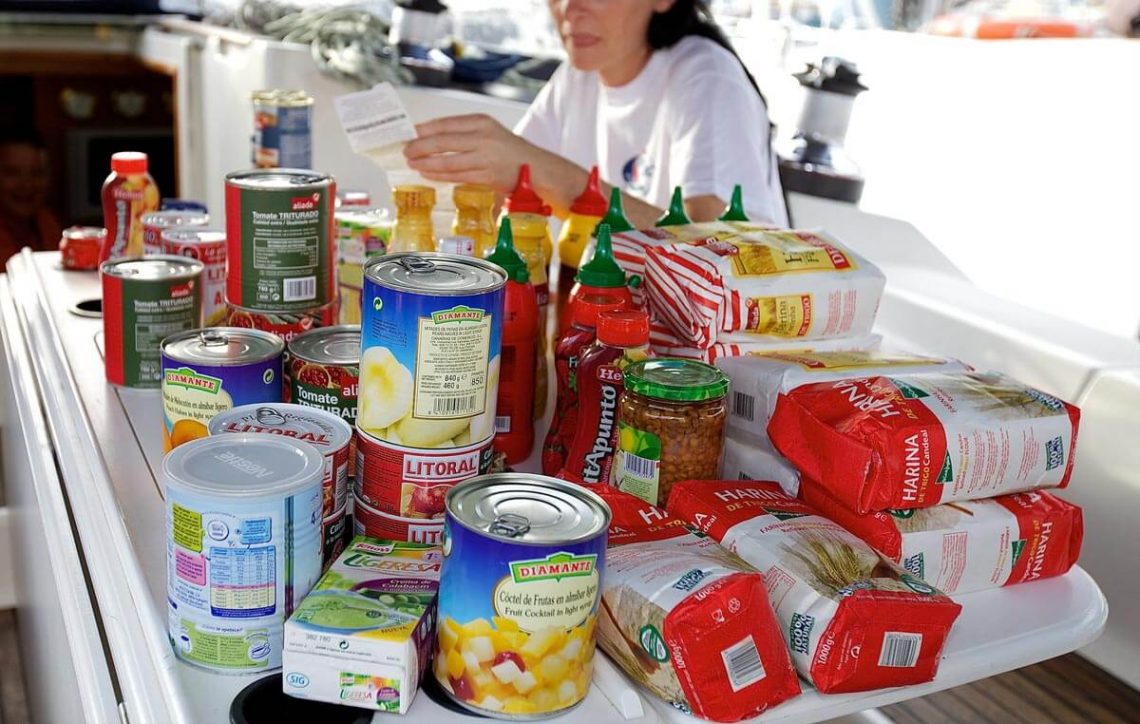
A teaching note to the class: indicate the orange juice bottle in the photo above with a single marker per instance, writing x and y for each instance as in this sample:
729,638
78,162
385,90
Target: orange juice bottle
412,230
128,193
475,216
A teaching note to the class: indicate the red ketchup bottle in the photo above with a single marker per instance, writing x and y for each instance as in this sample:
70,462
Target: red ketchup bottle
623,338
581,334
600,275
514,421
128,193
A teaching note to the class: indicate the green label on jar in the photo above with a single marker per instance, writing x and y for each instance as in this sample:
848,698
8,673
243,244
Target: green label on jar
638,462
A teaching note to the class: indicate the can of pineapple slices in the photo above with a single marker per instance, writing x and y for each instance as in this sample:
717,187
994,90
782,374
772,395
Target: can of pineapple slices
430,340
523,559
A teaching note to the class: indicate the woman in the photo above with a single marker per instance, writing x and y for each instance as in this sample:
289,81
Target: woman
652,93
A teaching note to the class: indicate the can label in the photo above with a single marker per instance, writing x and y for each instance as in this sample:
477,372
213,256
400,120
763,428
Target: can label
279,247
429,369
285,325
137,316
213,255
332,537
413,482
325,386
283,136
229,647
374,524
194,393
537,606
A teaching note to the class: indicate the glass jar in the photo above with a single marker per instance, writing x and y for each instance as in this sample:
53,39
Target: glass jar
670,426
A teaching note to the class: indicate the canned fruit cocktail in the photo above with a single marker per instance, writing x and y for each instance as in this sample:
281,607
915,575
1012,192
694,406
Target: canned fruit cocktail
208,371
209,247
145,301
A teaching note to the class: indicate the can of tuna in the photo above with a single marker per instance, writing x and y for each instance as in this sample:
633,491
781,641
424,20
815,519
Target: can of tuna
333,536
413,482
208,371
285,325
327,432
279,240
243,546
282,129
323,371
144,301
523,559
368,521
209,247
430,339
155,222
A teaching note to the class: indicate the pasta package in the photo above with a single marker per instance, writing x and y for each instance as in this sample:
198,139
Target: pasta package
749,460
667,344
915,441
748,286
853,620
971,545
688,620
759,378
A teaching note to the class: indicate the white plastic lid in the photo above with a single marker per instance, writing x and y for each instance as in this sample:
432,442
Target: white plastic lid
313,425
244,466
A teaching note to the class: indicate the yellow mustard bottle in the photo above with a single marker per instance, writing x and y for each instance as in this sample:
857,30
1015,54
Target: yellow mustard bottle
412,230
475,216
585,213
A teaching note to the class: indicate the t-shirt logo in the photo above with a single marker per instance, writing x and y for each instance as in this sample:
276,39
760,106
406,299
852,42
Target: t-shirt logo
638,174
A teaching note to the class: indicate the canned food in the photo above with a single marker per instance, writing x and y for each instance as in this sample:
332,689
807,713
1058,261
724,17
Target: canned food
182,205
333,536
368,521
353,199
144,301
413,482
81,246
279,242
209,247
458,245
323,370
243,546
208,371
326,432
430,339
283,129
156,222
521,581
285,325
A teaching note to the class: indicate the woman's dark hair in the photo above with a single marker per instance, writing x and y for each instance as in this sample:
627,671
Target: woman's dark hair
692,17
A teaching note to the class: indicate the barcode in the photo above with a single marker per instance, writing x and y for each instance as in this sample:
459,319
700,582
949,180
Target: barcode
300,289
900,650
639,467
455,405
744,406
742,662
502,424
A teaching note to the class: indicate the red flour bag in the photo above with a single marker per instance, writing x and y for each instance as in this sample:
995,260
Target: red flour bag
914,441
971,545
687,619
853,620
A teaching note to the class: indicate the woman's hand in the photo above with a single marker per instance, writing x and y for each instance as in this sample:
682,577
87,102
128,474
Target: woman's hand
469,149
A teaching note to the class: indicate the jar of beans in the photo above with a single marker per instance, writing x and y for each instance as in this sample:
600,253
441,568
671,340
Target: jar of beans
670,426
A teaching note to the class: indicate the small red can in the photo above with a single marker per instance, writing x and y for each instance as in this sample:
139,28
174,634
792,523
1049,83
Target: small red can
80,247
285,325
374,524
408,482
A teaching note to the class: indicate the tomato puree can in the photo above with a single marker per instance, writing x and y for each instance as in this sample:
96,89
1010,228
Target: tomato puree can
144,301
81,246
243,546
209,247
523,560
324,370
368,521
279,239
155,222
285,325
413,482
325,431
208,371
430,339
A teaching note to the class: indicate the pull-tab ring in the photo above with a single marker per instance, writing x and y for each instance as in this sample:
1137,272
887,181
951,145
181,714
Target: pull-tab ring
213,338
417,264
511,525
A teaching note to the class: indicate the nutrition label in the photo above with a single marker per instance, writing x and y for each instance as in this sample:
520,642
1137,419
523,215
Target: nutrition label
155,320
243,581
451,367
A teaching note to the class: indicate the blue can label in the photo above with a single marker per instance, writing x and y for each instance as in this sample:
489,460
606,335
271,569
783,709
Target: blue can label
192,394
283,136
429,368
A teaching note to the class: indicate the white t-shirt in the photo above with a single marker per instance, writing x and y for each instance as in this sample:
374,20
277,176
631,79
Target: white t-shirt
689,119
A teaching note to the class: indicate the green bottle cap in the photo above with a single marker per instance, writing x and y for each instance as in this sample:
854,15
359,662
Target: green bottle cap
504,255
676,215
679,380
601,270
615,215
735,209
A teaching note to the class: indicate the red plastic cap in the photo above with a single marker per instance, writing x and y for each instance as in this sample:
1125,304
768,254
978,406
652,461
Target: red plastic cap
591,202
628,328
523,199
128,162
588,306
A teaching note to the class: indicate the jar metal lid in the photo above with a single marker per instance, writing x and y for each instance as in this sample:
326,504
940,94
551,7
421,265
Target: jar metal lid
682,380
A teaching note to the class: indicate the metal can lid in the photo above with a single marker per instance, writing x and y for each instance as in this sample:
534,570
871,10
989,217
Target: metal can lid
277,178
158,266
173,217
242,466
222,346
294,422
94,233
338,345
194,235
435,274
528,509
